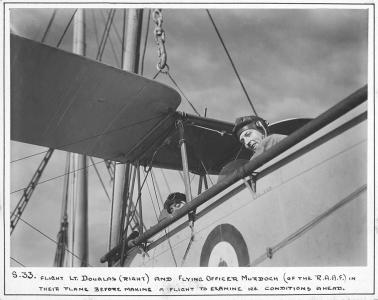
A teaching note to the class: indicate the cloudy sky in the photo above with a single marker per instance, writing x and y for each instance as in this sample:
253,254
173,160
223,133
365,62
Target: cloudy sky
293,62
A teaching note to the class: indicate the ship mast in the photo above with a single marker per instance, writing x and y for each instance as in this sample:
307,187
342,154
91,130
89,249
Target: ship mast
121,178
80,229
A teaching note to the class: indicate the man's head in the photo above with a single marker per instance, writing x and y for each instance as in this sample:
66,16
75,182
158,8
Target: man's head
250,131
174,202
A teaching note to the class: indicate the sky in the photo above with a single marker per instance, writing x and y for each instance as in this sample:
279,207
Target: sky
293,63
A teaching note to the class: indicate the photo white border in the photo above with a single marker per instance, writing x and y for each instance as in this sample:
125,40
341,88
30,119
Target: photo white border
370,269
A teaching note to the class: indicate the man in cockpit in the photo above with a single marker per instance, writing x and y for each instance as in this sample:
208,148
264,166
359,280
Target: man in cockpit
253,133
174,202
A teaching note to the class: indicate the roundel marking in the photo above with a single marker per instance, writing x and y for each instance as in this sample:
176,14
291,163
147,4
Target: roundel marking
224,246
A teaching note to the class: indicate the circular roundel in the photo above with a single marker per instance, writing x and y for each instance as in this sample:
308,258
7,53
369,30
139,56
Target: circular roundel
224,247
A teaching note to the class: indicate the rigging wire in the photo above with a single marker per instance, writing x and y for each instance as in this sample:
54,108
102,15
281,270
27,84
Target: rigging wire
165,230
21,264
66,29
28,156
186,98
231,61
166,181
157,187
49,238
145,43
153,204
59,176
118,63
105,34
48,26
138,199
99,177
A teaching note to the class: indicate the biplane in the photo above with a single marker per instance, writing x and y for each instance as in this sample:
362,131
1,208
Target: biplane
301,203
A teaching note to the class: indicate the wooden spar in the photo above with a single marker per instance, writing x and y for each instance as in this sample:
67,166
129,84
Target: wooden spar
311,127
80,243
130,63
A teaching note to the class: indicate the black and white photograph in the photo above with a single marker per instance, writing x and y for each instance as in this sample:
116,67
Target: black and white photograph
189,136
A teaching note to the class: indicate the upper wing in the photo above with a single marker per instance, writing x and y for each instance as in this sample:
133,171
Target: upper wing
69,102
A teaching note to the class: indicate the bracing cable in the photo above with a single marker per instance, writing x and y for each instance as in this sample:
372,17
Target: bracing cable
186,98
231,61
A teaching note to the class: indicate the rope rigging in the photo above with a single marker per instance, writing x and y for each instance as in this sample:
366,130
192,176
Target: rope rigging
231,61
